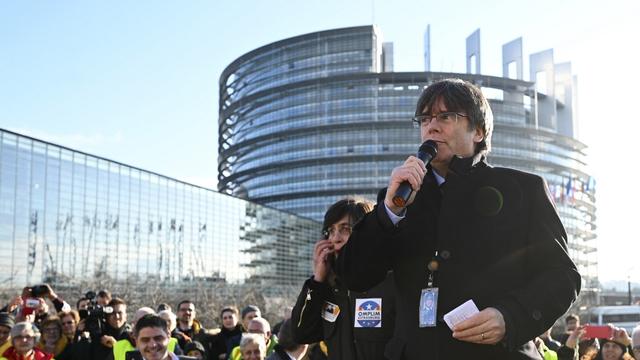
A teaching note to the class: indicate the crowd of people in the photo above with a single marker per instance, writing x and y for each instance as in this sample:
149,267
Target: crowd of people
457,260
576,343
100,329
326,315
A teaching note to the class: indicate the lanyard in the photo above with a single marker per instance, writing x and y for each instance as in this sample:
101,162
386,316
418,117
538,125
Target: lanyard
433,266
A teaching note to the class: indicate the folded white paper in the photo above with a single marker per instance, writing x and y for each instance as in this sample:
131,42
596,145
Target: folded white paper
461,313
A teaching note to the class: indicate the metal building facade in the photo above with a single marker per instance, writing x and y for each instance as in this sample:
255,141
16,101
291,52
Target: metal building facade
309,119
67,216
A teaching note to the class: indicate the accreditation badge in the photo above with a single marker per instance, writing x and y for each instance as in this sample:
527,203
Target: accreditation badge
368,313
330,311
428,307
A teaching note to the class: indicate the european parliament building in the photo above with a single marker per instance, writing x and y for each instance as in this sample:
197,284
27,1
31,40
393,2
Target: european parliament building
67,216
309,119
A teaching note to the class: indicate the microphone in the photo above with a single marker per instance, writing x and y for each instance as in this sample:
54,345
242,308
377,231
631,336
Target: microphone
426,153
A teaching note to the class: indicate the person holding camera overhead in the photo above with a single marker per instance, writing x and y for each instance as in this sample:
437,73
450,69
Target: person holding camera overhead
31,305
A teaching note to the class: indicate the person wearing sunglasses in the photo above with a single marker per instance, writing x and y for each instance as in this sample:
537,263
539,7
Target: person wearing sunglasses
353,325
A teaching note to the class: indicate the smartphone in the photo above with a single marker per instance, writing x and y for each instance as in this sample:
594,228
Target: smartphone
30,304
598,331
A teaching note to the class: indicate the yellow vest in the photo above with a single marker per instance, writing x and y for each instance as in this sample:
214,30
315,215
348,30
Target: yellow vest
121,348
237,355
5,346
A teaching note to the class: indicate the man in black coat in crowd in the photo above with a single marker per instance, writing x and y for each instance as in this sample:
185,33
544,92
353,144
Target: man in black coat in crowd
468,231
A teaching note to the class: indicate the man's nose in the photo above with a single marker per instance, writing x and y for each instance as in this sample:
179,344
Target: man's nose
433,126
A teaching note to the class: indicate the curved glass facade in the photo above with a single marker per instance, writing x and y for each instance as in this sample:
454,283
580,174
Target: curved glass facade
67,217
307,120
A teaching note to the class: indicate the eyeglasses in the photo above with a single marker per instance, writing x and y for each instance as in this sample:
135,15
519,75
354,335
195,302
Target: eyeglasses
344,230
444,118
50,330
24,337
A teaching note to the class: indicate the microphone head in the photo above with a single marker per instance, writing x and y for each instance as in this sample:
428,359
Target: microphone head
430,147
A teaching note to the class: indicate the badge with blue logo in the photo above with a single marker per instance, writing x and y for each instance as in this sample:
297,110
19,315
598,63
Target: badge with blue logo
368,313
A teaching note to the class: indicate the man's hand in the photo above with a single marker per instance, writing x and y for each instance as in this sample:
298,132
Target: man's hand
321,252
108,341
81,325
485,327
413,171
50,293
620,336
42,308
575,337
15,303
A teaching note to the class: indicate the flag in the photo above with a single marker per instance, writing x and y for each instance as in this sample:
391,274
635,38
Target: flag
569,194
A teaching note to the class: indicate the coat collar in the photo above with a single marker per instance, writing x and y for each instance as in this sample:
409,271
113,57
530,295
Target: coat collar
464,166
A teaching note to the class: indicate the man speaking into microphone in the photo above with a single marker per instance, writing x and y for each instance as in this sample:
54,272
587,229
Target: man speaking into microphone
479,254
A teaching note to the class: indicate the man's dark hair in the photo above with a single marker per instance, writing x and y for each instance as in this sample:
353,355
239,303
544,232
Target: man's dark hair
353,207
104,293
571,317
116,301
285,337
185,302
150,320
461,96
231,309
163,306
79,301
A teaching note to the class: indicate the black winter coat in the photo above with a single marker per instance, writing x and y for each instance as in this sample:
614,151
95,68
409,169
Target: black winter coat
500,243
343,339
221,343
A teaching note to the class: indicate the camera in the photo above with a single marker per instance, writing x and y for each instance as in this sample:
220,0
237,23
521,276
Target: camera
31,297
39,291
95,316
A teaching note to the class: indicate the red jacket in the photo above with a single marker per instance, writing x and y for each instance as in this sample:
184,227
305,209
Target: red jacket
37,354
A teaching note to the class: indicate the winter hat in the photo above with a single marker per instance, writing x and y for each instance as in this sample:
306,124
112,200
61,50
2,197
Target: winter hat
194,345
6,320
248,309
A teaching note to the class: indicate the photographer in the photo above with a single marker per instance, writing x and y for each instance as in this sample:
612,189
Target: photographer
106,325
31,305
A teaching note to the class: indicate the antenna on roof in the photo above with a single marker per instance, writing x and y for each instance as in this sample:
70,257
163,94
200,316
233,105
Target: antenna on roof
373,12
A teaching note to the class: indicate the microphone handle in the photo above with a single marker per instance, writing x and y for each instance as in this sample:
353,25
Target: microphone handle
402,194
404,190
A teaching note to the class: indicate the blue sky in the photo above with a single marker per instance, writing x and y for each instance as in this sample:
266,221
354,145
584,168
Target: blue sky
137,81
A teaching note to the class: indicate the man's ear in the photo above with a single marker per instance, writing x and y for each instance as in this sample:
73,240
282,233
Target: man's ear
478,136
